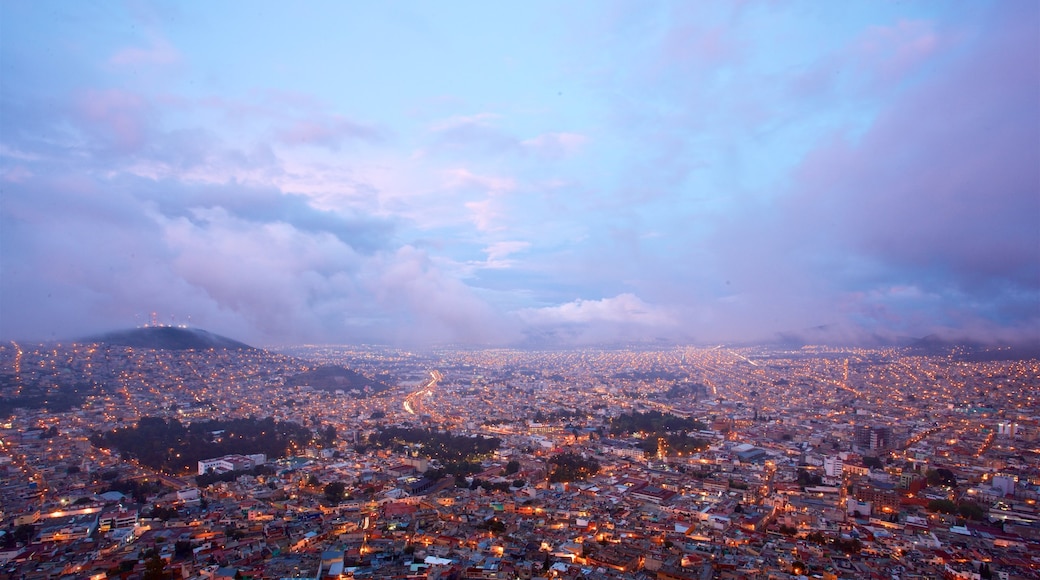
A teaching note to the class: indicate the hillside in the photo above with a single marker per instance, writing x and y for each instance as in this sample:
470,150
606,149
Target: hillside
169,338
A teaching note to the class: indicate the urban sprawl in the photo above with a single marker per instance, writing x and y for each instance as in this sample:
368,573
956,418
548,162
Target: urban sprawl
667,463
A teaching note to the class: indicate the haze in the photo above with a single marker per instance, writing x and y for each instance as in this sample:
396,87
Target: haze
518,173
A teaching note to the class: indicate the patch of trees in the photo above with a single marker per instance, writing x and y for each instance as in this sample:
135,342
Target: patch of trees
941,476
335,492
327,436
966,509
660,431
450,450
566,467
673,444
168,445
652,422
163,513
685,391
54,398
487,485
849,546
806,479
23,534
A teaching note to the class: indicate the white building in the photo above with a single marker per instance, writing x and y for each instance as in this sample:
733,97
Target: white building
231,463
833,466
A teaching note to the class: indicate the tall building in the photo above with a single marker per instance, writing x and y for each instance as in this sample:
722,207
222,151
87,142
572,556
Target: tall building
873,438
833,466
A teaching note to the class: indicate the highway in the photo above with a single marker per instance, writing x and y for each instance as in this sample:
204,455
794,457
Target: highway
413,402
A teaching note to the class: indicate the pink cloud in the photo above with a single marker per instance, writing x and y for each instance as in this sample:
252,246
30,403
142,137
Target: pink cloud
328,132
697,45
892,52
115,116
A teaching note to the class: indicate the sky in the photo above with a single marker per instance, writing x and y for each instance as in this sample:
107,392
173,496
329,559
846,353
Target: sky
521,173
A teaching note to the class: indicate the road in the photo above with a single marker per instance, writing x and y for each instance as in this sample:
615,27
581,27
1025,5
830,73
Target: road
413,402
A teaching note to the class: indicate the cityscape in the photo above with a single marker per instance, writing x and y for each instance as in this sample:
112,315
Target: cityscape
673,462
539,290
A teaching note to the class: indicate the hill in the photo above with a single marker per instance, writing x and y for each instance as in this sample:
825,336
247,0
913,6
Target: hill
169,338
336,378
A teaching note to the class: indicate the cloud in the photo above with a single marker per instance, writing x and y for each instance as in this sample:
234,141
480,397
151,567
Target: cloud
486,213
722,172
555,145
329,132
880,60
623,308
466,179
116,119
498,254
159,52
478,133
890,52
938,194
428,305
276,277
622,318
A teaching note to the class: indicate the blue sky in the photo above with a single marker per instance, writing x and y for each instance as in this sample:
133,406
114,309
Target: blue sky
522,173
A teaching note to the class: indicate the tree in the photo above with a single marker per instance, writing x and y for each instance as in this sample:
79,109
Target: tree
335,491
328,435
512,467
571,467
155,569
24,533
971,510
182,549
941,476
944,506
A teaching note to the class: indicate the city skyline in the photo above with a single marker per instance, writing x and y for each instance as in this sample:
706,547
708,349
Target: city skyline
499,175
